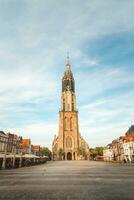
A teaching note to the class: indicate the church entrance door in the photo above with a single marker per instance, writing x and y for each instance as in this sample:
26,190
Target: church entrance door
69,156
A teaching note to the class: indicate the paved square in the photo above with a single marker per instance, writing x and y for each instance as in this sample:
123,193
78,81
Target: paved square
69,180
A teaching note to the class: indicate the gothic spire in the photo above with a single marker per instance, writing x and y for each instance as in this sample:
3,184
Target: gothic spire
68,80
67,57
68,64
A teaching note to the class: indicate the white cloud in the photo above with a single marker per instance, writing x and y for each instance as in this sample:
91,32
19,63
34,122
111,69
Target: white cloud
105,119
32,49
101,80
102,135
39,133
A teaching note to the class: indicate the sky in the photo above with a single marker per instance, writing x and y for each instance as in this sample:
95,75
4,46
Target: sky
35,36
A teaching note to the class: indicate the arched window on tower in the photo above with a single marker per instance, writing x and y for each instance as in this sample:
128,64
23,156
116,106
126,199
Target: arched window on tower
68,142
72,106
73,102
63,104
67,123
71,123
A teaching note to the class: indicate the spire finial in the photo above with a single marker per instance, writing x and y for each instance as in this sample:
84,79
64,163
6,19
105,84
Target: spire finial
67,57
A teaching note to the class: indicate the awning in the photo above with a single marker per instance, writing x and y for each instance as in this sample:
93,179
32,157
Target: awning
30,156
19,156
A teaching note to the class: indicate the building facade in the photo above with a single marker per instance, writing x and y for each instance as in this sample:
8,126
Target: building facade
128,146
26,146
36,150
121,149
3,141
69,145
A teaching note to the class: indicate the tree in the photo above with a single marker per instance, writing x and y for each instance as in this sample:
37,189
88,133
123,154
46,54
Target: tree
92,153
100,150
46,152
95,152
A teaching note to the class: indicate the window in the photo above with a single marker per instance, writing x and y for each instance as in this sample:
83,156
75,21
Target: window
67,123
71,123
72,106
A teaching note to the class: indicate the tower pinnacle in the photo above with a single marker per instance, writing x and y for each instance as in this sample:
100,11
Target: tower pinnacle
68,64
68,58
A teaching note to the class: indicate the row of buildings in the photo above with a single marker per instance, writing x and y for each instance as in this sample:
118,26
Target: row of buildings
13,147
122,148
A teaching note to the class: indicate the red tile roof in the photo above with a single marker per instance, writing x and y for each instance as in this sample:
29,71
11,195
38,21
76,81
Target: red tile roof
26,143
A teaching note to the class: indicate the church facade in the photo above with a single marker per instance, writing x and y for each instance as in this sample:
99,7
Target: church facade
69,145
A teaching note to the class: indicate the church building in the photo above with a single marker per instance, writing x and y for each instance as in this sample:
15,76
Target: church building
69,145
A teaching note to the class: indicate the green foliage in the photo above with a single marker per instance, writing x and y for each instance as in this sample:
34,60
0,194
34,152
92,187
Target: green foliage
100,150
95,151
46,152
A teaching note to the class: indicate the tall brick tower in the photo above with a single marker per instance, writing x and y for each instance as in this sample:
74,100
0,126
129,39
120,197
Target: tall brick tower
69,140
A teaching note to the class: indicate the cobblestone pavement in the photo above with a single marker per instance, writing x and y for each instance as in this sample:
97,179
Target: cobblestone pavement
69,180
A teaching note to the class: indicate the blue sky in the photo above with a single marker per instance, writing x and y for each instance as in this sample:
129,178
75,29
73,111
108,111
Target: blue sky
34,38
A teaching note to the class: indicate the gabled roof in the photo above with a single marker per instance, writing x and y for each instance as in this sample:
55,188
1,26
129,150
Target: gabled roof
26,143
128,138
130,131
2,132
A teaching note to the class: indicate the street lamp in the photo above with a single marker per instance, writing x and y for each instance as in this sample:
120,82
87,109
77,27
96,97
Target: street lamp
5,153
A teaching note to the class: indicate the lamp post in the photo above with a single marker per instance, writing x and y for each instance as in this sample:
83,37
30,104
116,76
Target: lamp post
5,154
118,150
20,150
20,163
14,150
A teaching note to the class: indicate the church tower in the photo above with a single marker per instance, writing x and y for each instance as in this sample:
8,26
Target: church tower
68,143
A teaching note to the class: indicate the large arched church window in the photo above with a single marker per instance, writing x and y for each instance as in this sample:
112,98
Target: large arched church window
69,142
